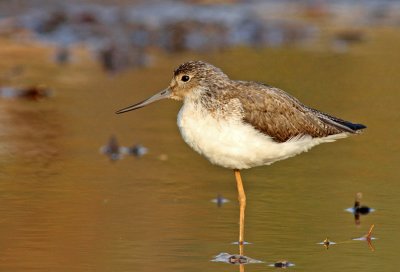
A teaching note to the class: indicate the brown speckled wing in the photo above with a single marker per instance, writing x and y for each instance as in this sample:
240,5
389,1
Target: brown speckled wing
281,116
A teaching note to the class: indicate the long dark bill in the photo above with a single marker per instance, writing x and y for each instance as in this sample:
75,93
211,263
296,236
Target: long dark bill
161,95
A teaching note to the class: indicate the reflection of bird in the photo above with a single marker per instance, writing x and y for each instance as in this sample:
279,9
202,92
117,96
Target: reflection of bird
234,259
368,237
237,259
239,124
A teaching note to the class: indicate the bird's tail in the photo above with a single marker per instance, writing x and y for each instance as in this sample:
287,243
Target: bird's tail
341,124
350,125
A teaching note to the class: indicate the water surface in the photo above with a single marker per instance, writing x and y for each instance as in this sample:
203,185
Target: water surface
65,207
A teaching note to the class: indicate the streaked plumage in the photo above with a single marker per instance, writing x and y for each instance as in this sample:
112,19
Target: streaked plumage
269,109
239,124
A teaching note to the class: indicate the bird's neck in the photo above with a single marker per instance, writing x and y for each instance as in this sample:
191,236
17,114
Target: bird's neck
211,103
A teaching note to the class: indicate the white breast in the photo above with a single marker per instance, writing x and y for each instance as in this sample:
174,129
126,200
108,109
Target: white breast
230,143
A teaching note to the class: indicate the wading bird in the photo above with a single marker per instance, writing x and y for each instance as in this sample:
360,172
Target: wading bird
241,124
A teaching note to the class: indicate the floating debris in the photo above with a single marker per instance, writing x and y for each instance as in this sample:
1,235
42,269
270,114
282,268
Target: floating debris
367,237
234,259
282,264
116,152
361,209
30,93
112,149
358,209
136,150
326,243
220,200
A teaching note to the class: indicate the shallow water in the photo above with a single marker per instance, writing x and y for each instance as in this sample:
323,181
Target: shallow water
65,207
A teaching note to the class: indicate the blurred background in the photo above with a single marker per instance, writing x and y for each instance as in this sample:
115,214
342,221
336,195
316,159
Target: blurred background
82,189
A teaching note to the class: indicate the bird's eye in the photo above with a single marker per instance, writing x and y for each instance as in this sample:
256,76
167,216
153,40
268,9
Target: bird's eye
185,78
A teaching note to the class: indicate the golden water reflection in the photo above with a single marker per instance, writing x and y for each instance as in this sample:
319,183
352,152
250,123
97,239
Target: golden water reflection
65,207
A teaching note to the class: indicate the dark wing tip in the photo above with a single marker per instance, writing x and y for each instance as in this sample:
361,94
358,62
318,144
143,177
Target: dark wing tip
337,122
357,126
350,125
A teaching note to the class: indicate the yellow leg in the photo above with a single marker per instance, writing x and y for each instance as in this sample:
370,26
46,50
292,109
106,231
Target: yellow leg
242,204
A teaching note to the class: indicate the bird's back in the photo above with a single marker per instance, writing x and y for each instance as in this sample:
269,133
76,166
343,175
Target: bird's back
283,117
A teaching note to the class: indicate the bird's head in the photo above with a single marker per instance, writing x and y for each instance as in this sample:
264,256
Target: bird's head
188,78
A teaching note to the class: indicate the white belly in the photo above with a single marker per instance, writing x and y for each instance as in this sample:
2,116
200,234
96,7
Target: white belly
230,143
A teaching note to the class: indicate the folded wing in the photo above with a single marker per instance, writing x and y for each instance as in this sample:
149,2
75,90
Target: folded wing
282,117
